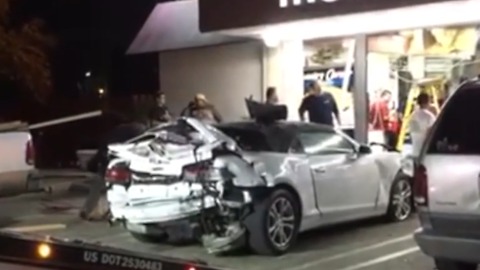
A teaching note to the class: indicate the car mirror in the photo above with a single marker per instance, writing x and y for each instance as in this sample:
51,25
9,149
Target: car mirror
364,149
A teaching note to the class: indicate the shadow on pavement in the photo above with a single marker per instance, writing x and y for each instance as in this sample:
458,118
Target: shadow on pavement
319,238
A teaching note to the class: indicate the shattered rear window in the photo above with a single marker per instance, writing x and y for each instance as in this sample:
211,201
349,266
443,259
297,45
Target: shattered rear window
248,139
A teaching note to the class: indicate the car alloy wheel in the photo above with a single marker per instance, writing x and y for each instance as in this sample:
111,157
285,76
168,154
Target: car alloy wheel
401,200
281,223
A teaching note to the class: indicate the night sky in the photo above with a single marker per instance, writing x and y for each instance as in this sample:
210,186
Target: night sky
93,35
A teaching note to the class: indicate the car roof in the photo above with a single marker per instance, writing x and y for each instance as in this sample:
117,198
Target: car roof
288,126
469,85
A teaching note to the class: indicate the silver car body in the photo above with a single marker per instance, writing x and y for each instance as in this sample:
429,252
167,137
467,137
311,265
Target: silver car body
331,188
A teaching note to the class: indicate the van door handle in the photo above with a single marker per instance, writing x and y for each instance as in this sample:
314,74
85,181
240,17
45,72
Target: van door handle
320,170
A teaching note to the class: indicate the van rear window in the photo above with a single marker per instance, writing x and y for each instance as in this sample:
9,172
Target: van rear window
457,131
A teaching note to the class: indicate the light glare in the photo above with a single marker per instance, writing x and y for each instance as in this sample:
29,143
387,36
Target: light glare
44,251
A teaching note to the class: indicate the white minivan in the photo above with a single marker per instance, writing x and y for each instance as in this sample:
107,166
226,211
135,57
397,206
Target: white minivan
447,183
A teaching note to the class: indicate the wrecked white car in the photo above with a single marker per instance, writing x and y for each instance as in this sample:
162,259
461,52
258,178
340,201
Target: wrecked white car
250,183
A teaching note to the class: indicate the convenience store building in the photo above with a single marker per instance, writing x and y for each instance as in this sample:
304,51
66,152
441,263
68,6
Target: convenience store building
234,49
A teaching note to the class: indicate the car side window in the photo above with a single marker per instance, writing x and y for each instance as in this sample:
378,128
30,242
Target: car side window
316,142
457,130
248,139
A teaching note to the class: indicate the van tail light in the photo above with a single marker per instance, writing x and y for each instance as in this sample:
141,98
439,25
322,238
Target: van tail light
29,153
420,186
117,175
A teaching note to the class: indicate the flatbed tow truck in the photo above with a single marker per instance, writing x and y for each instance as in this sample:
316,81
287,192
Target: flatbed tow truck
26,252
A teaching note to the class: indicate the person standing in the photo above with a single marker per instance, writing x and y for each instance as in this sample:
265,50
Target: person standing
379,112
271,95
420,122
321,106
160,113
201,109
380,119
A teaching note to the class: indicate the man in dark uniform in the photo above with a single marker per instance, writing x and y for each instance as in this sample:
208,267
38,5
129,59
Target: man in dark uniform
321,106
160,112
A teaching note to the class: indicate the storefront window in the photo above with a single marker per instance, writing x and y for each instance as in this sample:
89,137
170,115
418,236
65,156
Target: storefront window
330,64
403,64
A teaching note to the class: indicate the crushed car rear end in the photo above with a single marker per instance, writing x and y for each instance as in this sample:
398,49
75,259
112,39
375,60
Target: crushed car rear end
187,175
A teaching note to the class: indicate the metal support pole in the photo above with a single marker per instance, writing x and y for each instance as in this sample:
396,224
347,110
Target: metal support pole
360,96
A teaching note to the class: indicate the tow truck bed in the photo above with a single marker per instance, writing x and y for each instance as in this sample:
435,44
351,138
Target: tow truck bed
57,215
53,253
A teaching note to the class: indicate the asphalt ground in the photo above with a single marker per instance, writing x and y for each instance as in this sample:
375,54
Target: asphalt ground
371,244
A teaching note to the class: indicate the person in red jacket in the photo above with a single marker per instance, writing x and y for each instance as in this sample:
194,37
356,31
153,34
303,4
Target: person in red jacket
379,112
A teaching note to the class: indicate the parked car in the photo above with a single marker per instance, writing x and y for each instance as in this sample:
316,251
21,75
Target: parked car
16,160
250,183
447,183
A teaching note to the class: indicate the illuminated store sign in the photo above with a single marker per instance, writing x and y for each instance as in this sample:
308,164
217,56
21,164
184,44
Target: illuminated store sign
288,3
216,15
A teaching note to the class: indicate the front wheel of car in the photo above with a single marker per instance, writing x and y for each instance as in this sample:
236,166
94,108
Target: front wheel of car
400,206
273,226
442,264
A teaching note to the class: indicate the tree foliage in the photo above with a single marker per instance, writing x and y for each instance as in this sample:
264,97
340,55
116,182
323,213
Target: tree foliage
24,50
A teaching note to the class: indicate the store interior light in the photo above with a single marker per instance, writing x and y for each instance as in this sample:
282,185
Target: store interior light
271,41
439,14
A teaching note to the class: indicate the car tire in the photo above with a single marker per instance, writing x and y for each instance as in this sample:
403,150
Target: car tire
262,220
400,205
146,238
442,264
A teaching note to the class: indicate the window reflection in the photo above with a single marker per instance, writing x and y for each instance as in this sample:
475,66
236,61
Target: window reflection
318,142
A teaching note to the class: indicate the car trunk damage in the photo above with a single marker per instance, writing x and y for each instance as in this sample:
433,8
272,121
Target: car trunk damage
185,174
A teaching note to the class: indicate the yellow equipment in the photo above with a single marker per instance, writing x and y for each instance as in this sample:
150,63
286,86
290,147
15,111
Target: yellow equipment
434,88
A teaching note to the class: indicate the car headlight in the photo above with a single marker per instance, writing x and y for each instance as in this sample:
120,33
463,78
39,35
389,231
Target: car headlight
408,166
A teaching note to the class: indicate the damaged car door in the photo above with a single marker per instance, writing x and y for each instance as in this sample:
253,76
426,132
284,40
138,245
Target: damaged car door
332,160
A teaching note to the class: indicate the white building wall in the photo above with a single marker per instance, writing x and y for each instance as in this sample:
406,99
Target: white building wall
226,74
284,70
